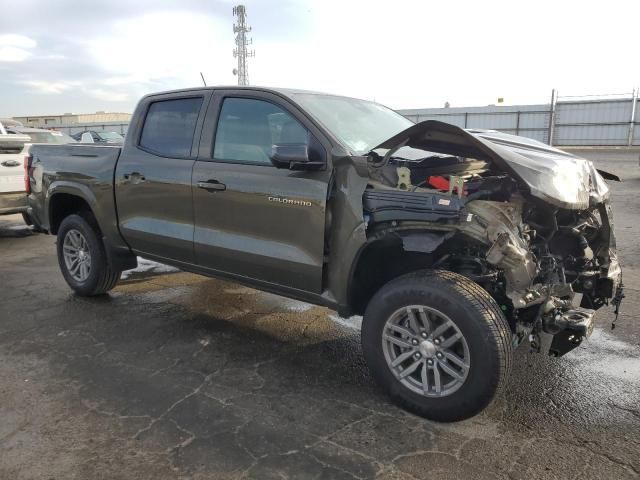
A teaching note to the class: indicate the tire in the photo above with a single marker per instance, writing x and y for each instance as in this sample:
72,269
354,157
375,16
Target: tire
27,219
100,278
477,364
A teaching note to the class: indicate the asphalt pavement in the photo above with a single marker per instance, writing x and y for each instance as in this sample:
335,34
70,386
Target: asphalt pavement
174,375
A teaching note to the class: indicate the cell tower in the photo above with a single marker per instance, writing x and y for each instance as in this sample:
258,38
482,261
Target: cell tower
242,42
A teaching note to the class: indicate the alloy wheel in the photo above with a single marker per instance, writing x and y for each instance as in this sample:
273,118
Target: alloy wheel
426,351
77,256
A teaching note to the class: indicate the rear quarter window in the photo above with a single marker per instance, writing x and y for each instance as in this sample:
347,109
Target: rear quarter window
170,125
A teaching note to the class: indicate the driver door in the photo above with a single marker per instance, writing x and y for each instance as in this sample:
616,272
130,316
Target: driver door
254,220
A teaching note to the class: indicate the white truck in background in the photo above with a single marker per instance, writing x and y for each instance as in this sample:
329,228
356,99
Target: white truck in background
13,197
15,142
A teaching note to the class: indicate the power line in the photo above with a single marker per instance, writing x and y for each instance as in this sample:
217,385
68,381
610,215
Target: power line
242,42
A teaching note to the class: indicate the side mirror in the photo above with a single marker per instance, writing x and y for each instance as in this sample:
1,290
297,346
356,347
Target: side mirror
288,155
297,156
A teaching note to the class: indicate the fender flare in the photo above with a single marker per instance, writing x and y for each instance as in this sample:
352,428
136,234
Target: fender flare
119,255
77,190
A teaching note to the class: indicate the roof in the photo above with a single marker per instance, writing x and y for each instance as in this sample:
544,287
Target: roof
283,91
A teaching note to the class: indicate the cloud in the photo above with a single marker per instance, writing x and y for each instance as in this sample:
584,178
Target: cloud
15,48
49,87
14,40
140,49
409,53
107,95
55,56
13,54
76,88
124,80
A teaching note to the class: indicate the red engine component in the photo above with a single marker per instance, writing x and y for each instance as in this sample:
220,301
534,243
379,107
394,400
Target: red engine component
441,183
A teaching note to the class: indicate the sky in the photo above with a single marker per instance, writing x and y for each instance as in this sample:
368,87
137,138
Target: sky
86,56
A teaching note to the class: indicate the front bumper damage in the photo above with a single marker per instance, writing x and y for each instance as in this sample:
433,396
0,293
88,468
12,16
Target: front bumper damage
543,284
530,223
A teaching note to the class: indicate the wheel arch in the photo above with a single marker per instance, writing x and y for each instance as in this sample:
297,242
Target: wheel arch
389,255
64,199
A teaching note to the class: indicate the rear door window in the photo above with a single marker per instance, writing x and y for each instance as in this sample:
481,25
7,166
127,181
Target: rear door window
169,127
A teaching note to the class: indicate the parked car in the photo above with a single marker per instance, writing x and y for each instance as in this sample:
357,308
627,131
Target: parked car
92,136
41,135
455,246
17,142
13,198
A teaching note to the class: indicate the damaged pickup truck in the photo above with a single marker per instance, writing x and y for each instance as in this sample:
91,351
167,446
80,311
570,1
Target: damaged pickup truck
455,245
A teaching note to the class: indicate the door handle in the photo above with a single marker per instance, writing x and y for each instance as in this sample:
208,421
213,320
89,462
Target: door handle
134,177
212,185
10,163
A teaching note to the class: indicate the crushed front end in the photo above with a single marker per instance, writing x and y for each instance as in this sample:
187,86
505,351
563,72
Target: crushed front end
531,224
555,267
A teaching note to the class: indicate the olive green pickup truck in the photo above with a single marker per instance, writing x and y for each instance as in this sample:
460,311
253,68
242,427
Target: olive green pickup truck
455,245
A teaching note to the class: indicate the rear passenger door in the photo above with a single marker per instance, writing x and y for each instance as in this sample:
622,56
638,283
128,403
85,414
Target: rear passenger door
252,219
153,176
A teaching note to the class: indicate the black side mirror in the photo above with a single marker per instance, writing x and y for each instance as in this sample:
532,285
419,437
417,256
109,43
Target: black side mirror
294,156
287,154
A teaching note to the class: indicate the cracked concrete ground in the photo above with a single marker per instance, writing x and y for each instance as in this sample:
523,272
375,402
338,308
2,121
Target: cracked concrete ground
179,376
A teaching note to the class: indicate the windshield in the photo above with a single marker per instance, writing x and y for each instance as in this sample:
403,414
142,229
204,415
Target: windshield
49,137
359,124
113,136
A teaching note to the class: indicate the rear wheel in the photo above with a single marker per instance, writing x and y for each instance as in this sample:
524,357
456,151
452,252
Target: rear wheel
438,344
82,257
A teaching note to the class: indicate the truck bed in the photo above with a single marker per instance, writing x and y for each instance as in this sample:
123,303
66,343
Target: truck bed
92,160
87,167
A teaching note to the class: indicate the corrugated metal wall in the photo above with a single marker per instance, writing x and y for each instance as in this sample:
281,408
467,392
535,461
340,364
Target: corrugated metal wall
597,122
584,122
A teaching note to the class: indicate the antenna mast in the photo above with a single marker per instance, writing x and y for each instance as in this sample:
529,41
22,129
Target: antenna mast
241,52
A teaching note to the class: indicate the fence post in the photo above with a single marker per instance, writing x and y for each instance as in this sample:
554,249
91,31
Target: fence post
552,115
632,123
466,118
518,122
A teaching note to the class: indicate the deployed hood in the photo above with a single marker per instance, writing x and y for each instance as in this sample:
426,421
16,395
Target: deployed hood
552,175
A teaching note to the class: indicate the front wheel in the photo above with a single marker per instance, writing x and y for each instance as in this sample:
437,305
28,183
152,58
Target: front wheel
82,257
438,344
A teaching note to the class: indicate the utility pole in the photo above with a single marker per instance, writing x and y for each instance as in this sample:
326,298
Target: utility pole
552,115
632,123
242,42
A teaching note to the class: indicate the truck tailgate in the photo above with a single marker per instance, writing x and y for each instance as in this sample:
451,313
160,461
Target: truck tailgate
11,163
11,173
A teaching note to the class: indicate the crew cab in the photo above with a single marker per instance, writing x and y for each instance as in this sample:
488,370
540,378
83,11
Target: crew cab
456,246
